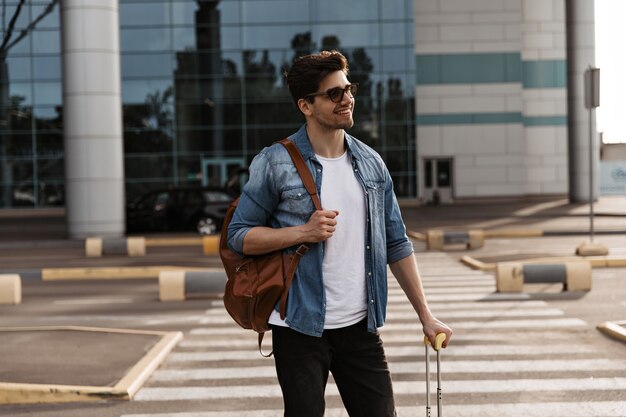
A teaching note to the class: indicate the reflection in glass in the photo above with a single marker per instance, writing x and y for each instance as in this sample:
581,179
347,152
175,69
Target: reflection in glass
23,164
10,9
142,40
394,34
47,92
50,141
146,65
47,67
155,165
203,80
393,60
351,35
136,91
183,12
51,19
269,37
144,14
396,9
18,68
345,11
46,42
19,92
230,12
283,11
50,169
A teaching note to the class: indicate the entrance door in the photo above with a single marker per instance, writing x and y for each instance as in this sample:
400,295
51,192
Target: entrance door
438,180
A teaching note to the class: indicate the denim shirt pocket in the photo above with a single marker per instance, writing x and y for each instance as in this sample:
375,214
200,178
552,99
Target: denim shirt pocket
296,201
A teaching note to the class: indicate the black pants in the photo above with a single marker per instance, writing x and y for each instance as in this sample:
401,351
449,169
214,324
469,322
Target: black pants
356,360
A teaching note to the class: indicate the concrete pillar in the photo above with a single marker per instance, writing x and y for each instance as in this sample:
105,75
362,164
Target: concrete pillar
544,96
94,155
580,56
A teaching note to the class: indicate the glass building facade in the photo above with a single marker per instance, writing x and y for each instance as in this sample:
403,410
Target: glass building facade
202,88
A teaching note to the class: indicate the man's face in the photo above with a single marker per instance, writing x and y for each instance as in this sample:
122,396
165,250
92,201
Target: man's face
327,114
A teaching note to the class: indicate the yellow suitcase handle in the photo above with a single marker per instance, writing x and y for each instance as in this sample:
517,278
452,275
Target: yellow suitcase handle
439,339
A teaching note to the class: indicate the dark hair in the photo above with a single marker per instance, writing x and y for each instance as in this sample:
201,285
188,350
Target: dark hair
308,71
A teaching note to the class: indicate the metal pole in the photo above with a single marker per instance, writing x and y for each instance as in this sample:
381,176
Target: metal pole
592,100
439,393
591,155
427,354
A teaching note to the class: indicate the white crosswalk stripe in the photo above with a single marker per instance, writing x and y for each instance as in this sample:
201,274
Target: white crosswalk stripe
555,409
410,314
473,366
504,346
400,387
394,351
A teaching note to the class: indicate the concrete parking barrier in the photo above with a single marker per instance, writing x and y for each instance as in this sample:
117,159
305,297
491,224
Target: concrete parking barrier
439,239
511,276
211,244
178,285
131,246
614,329
10,289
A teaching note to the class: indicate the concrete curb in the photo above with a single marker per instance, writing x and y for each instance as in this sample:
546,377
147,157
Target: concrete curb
521,233
476,264
513,233
173,241
595,261
616,329
124,389
126,272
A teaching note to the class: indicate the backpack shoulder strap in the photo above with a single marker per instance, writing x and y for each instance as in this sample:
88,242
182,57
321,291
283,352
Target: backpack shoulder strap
303,170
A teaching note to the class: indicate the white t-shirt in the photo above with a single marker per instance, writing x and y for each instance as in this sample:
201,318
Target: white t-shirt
344,256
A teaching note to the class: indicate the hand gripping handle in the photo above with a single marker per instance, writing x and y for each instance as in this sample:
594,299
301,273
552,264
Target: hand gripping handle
439,339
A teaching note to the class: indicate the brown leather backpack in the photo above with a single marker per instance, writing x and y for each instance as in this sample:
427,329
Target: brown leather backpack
256,283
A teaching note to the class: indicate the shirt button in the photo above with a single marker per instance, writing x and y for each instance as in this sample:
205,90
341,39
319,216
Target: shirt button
372,301
368,247
369,273
319,170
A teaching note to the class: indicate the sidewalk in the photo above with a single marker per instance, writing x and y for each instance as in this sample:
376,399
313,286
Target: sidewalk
548,214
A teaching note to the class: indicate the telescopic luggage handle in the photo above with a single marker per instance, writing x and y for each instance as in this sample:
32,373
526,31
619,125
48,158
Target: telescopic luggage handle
439,339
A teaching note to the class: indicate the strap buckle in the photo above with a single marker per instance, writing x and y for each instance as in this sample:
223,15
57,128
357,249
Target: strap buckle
302,250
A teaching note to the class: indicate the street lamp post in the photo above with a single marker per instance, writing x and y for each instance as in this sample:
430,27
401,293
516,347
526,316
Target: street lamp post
592,100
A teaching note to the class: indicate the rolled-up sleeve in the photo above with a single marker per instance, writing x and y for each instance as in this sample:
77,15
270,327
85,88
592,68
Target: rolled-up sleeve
398,244
257,202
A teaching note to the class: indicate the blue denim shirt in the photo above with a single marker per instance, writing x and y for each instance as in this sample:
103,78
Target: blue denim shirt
275,197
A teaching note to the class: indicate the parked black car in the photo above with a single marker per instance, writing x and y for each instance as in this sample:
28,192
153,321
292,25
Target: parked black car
179,209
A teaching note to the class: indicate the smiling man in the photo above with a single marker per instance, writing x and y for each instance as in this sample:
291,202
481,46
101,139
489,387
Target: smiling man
338,297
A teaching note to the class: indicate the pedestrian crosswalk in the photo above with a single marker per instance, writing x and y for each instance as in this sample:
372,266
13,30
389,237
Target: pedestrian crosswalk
510,356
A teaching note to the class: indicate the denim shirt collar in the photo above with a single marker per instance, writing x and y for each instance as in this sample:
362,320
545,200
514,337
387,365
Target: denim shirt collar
302,141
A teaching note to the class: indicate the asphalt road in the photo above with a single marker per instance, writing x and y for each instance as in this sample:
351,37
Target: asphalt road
532,354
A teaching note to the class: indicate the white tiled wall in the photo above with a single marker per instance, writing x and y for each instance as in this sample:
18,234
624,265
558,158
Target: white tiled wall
454,26
495,159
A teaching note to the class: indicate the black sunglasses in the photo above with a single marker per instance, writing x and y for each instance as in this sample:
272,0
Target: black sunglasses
335,94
